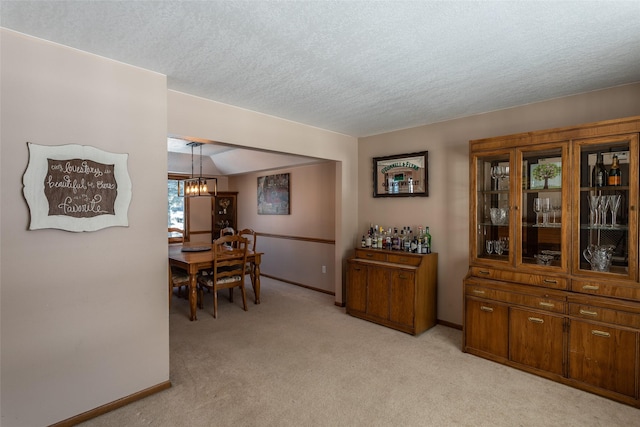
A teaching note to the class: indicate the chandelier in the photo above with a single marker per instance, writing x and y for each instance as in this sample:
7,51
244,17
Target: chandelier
197,186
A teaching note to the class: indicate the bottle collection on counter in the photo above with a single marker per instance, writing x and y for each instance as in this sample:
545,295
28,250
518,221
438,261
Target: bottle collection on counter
377,237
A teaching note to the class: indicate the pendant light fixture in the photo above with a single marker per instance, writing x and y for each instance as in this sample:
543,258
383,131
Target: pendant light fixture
197,186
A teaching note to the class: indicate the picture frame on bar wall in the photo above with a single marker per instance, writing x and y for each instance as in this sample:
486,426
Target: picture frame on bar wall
402,175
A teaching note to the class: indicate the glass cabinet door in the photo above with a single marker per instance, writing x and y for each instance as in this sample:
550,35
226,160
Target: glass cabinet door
605,212
543,196
493,183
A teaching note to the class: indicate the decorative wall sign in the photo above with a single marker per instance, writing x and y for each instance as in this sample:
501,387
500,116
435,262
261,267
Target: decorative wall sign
273,194
402,175
76,188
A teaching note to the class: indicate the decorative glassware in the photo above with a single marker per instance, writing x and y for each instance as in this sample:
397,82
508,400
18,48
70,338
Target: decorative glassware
498,246
603,207
546,208
593,208
614,205
489,246
537,208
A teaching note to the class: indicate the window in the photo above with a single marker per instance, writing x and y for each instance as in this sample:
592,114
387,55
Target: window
175,215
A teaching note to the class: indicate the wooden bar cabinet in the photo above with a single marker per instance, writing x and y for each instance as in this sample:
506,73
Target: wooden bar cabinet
394,289
553,286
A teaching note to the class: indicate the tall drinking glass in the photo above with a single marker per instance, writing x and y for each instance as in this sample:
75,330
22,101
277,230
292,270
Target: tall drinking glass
537,208
593,208
546,208
614,205
603,207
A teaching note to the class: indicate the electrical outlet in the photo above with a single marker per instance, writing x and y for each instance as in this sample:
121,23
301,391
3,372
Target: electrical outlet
324,269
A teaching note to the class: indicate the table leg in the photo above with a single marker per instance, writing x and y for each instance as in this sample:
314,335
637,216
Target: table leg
256,281
193,296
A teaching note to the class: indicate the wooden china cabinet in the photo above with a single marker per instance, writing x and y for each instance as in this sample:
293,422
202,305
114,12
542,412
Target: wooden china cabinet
553,286
224,212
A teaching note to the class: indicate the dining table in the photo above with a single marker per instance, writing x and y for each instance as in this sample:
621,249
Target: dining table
195,257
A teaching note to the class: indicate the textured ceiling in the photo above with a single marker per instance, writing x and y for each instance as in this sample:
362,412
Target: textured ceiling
358,68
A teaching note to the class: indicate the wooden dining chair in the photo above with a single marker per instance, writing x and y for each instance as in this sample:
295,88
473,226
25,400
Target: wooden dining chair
227,231
178,277
176,235
250,235
227,270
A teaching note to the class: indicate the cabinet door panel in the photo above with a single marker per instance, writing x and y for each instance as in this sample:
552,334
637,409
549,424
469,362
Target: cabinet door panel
486,327
603,356
402,298
536,340
378,292
357,287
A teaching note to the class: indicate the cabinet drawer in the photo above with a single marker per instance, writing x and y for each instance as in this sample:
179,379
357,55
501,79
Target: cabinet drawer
371,255
524,278
532,301
404,259
607,315
628,291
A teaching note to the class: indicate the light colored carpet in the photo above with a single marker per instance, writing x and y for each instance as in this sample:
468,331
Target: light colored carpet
298,360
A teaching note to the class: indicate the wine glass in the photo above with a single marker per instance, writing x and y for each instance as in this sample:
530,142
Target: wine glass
604,208
546,208
593,207
537,208
489,246
556,207
614,205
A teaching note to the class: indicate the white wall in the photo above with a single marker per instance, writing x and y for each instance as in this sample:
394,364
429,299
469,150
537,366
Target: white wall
446,210
193,117
312,195
84,317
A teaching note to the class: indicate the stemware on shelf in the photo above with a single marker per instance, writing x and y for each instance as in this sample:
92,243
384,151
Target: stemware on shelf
489,246
594,200
603,207
537,208
614,205
546,208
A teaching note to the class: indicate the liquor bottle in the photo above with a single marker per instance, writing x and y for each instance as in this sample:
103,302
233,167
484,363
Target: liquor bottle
427,236
414,244
615,176
381,238
368,240
599,174
395,240
388,238
407,240
374,239
364,242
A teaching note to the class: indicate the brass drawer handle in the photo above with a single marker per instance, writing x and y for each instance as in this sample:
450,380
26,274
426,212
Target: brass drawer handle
591,287
553,282
536,320
487,309
357,268
485,272
402,276
600,333
588,313
478,291
546,304
369,255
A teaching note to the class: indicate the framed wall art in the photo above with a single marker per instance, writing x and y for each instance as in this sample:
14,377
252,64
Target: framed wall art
76,188
273,195
402,175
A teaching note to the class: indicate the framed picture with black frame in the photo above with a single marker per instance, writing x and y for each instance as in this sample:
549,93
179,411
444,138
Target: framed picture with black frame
402,175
